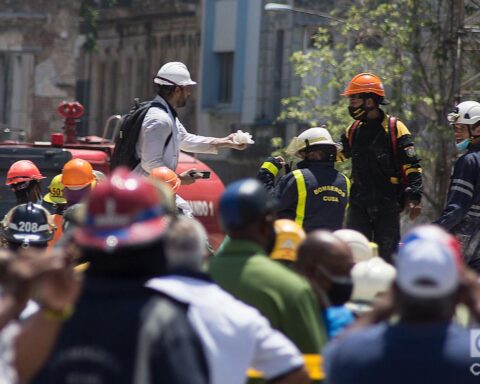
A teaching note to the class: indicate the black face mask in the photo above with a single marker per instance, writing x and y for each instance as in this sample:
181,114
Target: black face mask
340,292
341,288
360,113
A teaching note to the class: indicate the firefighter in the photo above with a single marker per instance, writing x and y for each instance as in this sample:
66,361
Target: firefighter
461,215
315,195
55,200
24,179
386,172
78,179
27,225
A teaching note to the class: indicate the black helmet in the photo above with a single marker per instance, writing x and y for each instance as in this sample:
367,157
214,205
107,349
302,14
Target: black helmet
28,224
244,201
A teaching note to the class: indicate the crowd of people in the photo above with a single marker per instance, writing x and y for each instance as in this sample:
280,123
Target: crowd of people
111,279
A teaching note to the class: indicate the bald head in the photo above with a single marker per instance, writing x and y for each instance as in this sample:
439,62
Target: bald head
325,249
186,244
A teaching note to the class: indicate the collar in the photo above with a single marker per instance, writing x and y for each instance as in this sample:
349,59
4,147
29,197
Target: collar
314,164
474,145
238,247
165,102
188,272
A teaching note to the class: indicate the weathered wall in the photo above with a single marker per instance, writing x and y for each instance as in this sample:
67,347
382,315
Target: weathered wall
37,45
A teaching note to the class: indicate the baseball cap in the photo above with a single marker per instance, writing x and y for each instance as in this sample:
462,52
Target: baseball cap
428,263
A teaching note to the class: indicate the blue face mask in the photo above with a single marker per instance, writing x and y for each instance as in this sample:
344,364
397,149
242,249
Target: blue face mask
463,144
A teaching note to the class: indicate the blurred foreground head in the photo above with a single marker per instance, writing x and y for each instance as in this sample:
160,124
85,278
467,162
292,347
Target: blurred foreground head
124,225
326,261
247,213
428,274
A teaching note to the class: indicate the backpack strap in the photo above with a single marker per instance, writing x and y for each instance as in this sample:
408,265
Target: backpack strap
392,128
164,108
352,130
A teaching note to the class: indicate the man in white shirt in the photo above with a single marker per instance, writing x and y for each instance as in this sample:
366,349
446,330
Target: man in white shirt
162,135
234,335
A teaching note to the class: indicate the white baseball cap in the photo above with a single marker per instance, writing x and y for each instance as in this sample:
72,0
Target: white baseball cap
427,268
173,73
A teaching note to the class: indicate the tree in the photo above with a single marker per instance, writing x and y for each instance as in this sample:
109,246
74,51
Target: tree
411,45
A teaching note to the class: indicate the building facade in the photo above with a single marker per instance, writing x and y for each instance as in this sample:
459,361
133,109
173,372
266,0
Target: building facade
38,47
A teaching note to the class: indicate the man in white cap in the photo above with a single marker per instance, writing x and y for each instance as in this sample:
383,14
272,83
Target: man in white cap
425,346
162,135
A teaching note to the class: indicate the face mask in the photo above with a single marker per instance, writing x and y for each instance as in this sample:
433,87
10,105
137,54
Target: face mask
357,112
73,196
463,145
340,289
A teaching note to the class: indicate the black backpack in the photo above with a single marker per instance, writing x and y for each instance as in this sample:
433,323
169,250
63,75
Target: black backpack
125,153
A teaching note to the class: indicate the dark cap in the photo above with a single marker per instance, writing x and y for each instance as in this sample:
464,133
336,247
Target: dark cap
244,201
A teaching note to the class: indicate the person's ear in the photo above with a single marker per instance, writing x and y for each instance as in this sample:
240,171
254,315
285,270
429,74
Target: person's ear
370,103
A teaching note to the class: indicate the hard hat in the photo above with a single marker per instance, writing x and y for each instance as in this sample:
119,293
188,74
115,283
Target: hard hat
370,277
21,171
365,83
173,73
309,138
467,112
99,176
289,236
357,242
124,210
55,191
166,175
28,223
428,263
243,201
77,173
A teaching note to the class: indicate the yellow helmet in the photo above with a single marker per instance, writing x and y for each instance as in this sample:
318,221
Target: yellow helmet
289,237
55,191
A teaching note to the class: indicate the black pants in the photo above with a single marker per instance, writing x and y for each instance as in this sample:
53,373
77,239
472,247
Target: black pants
380,224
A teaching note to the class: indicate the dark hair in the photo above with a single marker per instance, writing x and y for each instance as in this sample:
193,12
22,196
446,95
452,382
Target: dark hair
326,152
165,91
129,262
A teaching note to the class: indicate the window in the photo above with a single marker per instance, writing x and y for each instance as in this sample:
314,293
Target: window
226,77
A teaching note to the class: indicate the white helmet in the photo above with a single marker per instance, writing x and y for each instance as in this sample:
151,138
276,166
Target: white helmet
173,73
467,112
370,277
358,243
310,137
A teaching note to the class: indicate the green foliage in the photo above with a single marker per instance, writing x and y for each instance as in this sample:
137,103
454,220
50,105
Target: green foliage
408,43
89,12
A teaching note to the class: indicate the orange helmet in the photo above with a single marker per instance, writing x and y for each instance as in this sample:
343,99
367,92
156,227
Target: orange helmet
167,176
21,171
77,173
365,83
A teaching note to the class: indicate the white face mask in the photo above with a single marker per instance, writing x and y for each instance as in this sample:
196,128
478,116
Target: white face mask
463,145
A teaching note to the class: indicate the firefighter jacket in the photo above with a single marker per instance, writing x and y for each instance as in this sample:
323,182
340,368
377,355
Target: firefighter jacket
463,201
380,172
315,195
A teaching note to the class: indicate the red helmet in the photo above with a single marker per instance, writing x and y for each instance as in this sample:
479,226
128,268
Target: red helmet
21,171
123,210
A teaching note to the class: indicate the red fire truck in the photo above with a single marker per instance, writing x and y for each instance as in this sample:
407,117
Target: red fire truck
50,157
